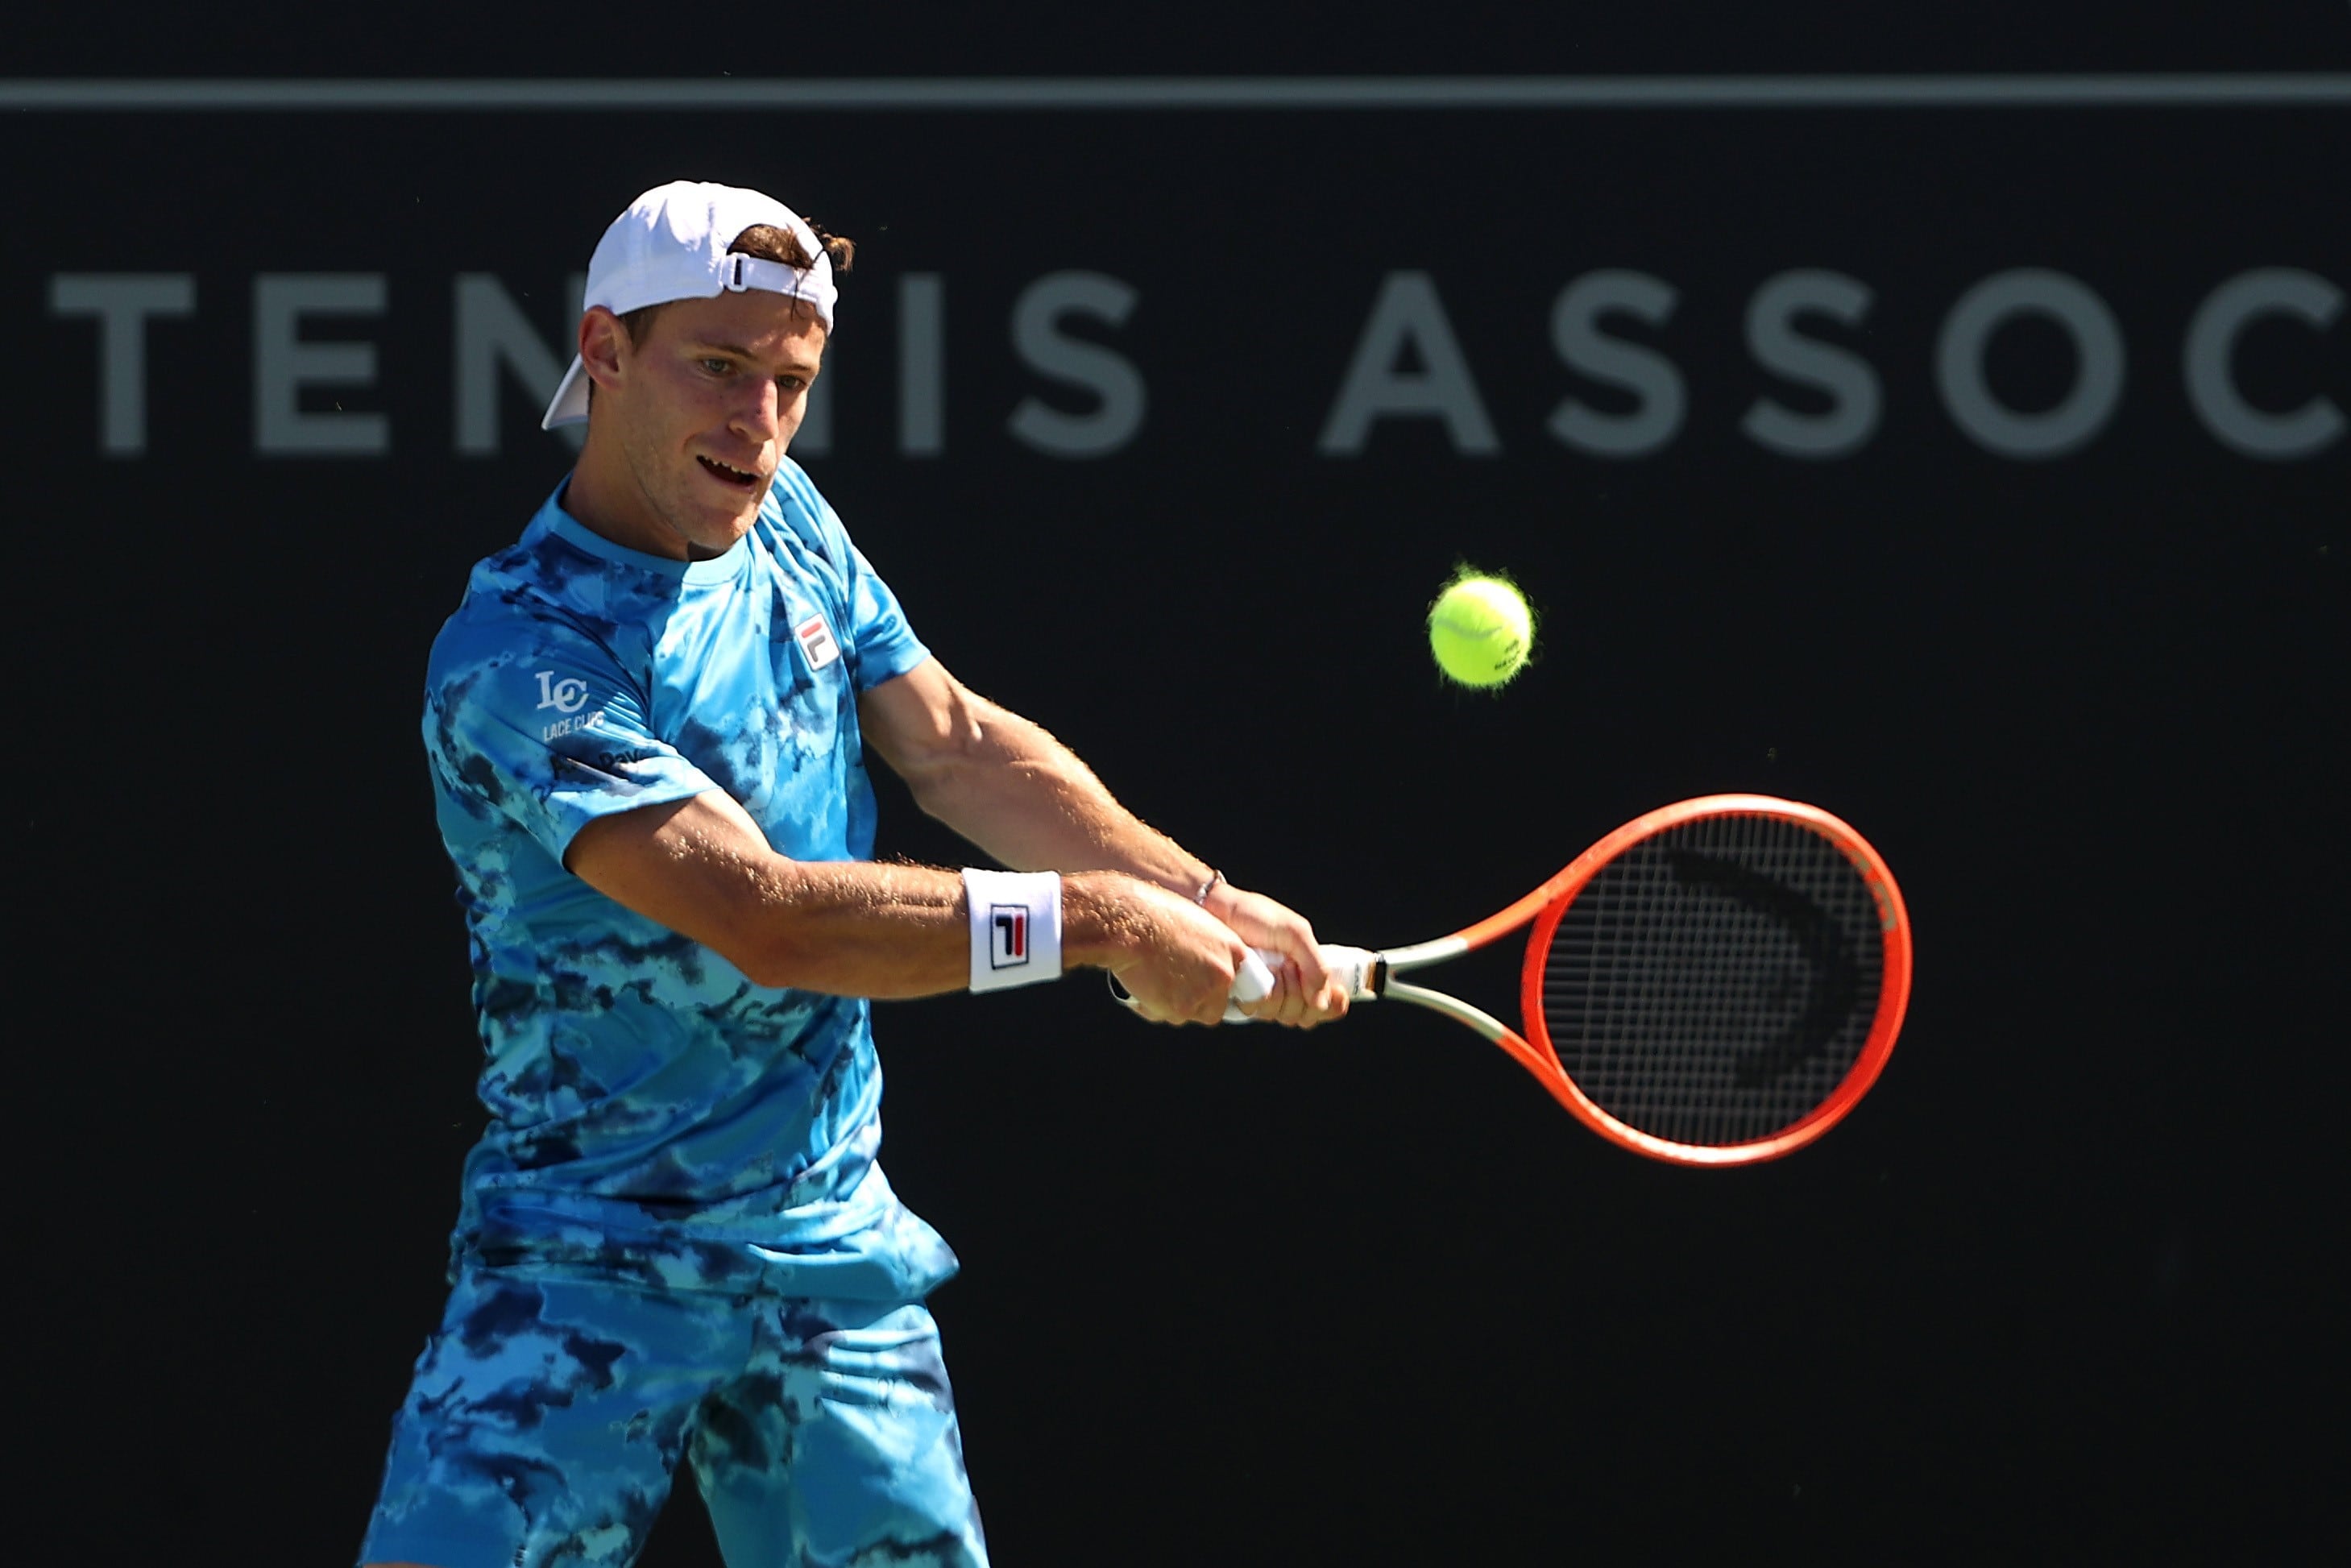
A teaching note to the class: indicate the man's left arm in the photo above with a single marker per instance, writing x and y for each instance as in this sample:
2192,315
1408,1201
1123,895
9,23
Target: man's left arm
1007,785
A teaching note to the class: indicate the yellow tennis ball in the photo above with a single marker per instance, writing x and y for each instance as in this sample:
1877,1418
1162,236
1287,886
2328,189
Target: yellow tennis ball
1480,630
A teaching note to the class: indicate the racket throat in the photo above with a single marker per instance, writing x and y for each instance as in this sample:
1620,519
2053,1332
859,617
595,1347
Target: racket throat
1375,975
1459,1011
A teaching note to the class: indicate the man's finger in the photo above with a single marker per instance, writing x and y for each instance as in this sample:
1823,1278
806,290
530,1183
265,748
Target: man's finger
1295,942
1279,1005
1314,971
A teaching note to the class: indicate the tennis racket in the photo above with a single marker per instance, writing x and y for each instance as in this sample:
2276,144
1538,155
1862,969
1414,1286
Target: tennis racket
1716,983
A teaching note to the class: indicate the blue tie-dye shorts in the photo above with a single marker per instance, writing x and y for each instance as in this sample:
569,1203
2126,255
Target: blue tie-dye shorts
549,1414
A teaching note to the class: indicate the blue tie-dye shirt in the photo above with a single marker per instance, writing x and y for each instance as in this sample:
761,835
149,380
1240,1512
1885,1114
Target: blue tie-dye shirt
651,1111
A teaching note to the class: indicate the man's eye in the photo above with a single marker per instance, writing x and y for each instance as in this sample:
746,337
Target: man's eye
716,367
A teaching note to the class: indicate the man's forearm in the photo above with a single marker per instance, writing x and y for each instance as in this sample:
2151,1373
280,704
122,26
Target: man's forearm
1013,790
701,867
884,931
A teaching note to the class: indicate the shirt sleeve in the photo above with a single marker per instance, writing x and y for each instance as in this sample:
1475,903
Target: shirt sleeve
886,645
882,645
533,719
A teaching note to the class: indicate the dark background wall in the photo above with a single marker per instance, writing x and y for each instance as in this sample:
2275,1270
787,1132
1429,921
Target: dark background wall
2051,1294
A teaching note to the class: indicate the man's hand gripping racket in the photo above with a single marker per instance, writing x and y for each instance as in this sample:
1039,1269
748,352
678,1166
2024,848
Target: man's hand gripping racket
1715,983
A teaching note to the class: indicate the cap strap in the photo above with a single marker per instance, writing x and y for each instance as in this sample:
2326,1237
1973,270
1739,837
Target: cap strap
812,283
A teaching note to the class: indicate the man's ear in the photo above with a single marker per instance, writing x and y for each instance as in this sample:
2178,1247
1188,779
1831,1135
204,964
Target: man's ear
604,345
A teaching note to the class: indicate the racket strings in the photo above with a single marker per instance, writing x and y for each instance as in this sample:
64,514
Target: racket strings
1715,982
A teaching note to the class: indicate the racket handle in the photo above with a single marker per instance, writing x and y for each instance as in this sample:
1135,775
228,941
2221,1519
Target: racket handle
1355,967
1254,983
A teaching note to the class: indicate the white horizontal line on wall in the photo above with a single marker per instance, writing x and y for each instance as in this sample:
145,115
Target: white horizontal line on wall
965,94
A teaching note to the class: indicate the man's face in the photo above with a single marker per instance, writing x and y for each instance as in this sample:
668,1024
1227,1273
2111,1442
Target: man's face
699,411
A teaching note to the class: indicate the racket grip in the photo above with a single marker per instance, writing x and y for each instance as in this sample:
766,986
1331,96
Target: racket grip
1255,981
1356,968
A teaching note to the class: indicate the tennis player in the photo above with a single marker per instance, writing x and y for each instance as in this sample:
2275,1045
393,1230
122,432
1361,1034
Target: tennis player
646,724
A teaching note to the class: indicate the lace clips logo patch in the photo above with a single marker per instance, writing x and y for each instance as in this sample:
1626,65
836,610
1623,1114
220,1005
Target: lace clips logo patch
567,695
815,638
1009,924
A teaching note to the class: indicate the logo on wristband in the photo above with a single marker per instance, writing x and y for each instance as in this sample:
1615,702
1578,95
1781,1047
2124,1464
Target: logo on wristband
1009,923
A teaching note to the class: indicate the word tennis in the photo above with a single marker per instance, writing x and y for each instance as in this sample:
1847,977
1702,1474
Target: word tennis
315,337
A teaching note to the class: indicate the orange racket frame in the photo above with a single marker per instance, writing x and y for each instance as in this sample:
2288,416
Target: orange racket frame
1373,977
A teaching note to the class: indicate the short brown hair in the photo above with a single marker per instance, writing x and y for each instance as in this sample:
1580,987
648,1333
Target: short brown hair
767,242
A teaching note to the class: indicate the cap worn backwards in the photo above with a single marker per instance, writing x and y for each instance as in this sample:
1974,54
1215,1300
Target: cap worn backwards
672,245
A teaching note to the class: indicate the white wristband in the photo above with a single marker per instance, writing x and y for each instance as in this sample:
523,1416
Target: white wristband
1016,926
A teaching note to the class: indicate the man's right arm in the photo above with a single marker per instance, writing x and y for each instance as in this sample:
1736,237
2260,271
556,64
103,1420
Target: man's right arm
702,867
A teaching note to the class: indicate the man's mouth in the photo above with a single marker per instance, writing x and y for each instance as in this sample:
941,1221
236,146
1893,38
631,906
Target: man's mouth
740,478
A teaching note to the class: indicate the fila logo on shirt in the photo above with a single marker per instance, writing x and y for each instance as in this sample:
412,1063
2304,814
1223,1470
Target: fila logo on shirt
815,638
1010,925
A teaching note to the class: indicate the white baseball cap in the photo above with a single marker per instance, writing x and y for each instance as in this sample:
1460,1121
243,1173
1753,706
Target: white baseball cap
672,245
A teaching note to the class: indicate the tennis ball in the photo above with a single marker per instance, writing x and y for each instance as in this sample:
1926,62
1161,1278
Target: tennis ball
1480,630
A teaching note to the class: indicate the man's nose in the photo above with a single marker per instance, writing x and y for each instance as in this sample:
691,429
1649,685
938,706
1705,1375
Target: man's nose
757,413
